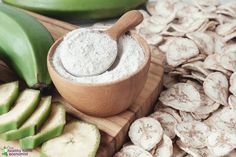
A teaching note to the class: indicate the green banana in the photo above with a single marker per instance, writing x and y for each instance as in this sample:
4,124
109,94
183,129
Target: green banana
24,44
78,9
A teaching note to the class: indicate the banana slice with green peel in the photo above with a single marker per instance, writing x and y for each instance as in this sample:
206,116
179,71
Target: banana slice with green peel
79,139
32,125
8,94
24,106
78,9
24,44
52,127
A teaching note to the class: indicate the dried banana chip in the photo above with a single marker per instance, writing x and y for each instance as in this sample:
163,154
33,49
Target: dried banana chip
132,151
168,81
172,112
221,143
167,121
177,152
165,148
180,50
226,28
189,25
146,132
197,66
194,152
218,40
229,37
211,63
186,116
200,117
208,2
208,26
198,76
216,87
206,108
181,96
232,81
228,61
204,41
200,57
192,134
232,102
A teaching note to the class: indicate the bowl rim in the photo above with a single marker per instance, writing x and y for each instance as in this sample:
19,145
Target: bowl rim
137,37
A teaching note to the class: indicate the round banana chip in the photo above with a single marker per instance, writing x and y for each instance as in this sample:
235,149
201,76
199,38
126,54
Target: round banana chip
196,66
216,87
177,152
195,152
165,148
232,81
206,109
200,117
198,75
226,28
146,132
192,134
210,25
132,151
204,41
208,2
229,37
186,116
228,61
232,102
167,121
189,25
181,96
221,143
211,63
180,50
172,112
199,57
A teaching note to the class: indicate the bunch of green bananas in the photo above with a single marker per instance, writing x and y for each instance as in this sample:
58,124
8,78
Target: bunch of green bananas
78,9
24,44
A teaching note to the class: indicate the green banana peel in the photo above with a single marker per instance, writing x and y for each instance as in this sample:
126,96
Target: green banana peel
24,44
78,9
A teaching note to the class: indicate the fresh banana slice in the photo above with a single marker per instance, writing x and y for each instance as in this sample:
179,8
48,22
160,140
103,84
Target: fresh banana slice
146,132
78,139
221,143
216,87
232,82
204,41
167,121
9,93
165,148
192,134
132,151
181,96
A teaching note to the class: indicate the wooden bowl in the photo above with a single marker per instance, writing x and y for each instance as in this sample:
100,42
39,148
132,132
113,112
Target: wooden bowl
103,99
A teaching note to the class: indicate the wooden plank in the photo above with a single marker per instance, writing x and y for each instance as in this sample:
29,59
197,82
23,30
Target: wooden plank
113,129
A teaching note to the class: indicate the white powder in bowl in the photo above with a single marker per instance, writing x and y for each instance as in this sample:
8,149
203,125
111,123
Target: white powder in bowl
87,52
129,58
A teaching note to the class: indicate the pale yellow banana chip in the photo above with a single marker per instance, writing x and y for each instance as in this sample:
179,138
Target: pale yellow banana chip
132,151
232,101
146,132
165,148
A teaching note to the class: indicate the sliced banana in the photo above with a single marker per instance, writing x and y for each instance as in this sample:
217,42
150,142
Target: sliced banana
221,143
78,139
180,50
165,148
226,28
232,101
172,112
181,96
192,134
204,41
146,132
228,61
167,121
132,151
216,87
186,116
232,81
196,66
